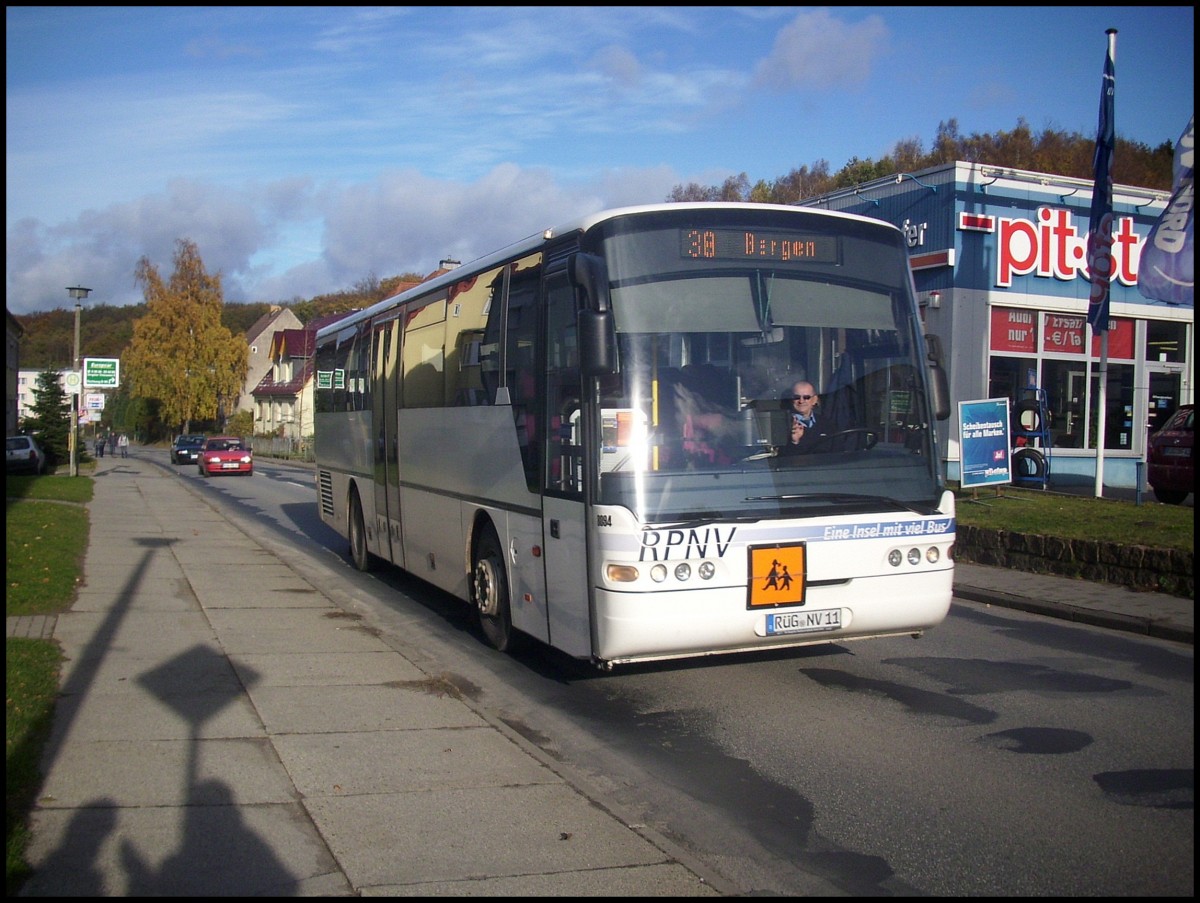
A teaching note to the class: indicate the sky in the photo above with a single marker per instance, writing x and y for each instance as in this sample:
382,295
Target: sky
304,150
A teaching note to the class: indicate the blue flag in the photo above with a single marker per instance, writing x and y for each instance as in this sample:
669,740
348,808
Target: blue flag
1100,226
1167,268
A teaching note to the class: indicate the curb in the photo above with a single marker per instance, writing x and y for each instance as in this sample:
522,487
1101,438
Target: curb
1064,612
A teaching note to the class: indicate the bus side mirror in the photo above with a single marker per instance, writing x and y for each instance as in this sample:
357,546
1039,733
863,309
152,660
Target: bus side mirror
595,343
939,382
596,334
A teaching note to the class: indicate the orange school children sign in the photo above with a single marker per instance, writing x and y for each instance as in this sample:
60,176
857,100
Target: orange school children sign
777,575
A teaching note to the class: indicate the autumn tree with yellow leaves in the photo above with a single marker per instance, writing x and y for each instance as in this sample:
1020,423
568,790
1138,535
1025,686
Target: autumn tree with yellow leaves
180,354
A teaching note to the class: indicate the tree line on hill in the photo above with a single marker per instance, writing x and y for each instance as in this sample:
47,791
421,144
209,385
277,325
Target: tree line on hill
1051,151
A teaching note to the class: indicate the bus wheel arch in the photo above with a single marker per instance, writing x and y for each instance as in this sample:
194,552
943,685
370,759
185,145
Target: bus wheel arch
490,590
356,529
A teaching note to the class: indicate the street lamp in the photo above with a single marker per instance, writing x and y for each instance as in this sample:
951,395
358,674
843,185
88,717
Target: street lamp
78,293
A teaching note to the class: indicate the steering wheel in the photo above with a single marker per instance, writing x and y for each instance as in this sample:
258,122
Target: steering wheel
846,440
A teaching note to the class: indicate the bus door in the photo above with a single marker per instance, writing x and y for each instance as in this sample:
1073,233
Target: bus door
384,400
564,512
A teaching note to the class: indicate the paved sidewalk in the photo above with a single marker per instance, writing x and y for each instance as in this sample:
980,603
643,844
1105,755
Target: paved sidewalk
225,728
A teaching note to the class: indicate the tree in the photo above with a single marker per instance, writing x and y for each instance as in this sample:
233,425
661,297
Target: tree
181,354
241,424
50,419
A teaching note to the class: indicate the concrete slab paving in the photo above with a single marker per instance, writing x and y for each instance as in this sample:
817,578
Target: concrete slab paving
489,831
349,764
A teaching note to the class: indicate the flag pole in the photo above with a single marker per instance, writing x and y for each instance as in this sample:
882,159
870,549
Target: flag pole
1103,403
1100,242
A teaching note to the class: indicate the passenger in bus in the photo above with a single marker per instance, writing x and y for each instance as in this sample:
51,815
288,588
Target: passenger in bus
710,435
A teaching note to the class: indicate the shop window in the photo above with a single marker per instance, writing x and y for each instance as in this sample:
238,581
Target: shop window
1119,411
1007,376
1165,341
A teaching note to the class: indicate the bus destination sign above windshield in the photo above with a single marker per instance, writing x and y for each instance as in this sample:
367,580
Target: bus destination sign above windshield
751,244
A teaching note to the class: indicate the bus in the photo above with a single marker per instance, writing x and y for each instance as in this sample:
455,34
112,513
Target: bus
585,436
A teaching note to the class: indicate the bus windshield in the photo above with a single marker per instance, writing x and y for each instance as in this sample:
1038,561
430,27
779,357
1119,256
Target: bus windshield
763,373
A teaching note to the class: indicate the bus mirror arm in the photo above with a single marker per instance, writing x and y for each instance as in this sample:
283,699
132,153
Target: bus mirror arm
587,274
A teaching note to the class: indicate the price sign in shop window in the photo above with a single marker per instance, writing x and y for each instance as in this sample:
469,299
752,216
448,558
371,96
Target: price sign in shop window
1015,331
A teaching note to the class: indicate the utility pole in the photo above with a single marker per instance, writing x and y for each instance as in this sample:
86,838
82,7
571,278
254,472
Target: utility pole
78,292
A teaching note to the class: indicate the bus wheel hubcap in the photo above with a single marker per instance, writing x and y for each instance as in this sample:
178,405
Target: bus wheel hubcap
485,588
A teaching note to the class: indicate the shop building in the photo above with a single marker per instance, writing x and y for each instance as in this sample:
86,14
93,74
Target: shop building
998,258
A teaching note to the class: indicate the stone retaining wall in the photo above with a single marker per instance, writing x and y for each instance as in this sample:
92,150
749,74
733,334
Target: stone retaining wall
1137,567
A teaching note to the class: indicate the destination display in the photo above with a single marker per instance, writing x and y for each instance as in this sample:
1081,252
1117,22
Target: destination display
757,244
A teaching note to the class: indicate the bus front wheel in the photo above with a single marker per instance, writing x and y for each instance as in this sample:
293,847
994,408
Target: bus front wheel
489,592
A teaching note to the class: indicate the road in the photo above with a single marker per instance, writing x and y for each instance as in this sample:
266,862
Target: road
1004,753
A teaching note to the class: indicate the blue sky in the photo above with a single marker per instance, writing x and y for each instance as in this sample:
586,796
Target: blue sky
306,149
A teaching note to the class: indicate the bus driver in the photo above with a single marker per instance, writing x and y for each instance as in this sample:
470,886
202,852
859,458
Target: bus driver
804,401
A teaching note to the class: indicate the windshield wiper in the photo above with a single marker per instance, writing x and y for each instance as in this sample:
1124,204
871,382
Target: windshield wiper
706,521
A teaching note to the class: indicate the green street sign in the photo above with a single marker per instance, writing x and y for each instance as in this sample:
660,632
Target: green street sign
101,372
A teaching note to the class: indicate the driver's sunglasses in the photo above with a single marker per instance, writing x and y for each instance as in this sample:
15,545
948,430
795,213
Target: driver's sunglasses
803,397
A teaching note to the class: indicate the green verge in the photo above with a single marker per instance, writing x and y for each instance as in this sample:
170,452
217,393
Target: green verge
1046,513
31,670
45,543
46,534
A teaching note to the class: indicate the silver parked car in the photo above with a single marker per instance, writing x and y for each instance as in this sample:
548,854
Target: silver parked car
23,455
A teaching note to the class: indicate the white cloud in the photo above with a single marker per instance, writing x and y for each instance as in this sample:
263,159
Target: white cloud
296,239
817,50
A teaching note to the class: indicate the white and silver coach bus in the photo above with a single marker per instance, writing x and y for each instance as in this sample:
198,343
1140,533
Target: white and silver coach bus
587,435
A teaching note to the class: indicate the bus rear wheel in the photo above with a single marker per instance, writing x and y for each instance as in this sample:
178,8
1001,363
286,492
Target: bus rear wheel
358,535
489,592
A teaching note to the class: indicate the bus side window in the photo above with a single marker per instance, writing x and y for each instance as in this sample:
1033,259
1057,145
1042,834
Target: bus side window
521,363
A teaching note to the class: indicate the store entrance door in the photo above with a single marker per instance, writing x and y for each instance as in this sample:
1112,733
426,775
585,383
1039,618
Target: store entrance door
1164,382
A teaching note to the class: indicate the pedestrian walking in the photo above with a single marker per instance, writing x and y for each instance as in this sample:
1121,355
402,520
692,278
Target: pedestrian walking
100,441
123,445
112,444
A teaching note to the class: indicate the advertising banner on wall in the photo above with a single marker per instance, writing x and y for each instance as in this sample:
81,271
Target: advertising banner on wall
983,428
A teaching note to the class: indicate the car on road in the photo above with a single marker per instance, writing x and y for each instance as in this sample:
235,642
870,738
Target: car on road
1170,465
186,449
22,454
225,454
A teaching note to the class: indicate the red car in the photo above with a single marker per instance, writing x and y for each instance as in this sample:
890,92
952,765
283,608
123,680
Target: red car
225,454
1170,467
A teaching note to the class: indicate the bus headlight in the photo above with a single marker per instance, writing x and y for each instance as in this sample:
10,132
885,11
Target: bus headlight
914,556
895,557
658,573
706,570
932,554
683,572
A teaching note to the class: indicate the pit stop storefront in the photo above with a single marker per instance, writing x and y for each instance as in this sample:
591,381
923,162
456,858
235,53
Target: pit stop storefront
999,264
